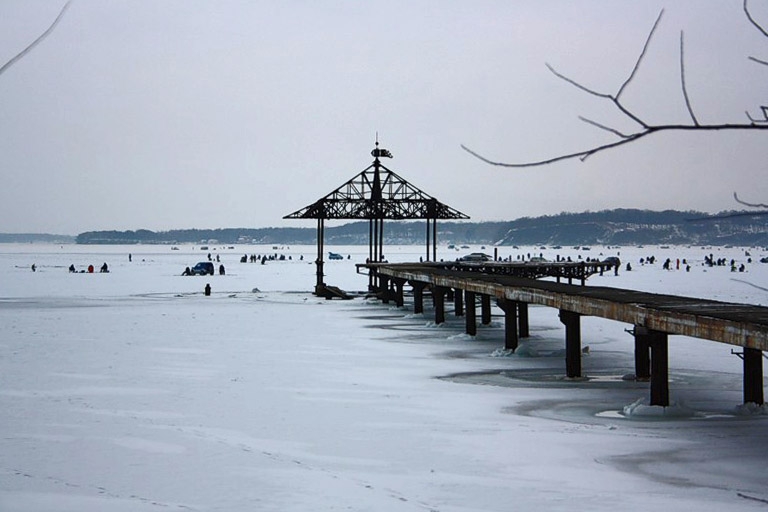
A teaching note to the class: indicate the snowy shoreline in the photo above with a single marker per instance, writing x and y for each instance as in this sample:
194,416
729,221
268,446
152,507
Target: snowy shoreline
132,390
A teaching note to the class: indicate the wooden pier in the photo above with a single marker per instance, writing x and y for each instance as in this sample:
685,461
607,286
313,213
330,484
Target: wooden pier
654,316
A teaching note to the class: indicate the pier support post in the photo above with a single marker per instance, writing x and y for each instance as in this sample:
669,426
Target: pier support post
522,319
418,296
458,302
383,290
652,362
471,313
438,296
659,368
572,322
399,295
642,353
753,376
485,309
510,309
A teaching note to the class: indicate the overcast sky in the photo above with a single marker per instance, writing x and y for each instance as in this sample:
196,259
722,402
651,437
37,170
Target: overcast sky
202,114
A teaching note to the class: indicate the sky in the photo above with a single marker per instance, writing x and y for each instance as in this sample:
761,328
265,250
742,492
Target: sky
190,114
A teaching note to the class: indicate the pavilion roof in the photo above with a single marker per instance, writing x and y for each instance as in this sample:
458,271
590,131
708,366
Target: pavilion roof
377,193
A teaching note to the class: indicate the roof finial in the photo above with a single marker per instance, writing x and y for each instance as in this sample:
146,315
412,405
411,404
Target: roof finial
376,153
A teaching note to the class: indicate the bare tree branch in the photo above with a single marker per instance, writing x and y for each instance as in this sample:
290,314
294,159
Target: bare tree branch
758,27
645,128
710,218
577,84
751,205
630,138
603,127
37,41
682,82
642,54
603,95
756,121
752,20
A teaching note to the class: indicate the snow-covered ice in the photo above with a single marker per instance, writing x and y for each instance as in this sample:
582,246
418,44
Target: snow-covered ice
132,391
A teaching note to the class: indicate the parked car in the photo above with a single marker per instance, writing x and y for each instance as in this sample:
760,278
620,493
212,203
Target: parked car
612,260
202,268
335,256
476,256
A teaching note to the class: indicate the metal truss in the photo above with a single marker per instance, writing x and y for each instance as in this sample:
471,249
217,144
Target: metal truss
377,193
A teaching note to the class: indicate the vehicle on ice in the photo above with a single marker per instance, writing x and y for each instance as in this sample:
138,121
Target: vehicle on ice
335,256
202,268
476,256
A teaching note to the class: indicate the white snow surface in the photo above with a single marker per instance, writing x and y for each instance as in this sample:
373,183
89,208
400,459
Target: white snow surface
132,391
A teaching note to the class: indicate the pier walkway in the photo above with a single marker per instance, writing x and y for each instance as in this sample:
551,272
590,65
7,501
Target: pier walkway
654,316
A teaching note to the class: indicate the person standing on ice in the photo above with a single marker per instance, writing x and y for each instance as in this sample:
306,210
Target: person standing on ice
207,289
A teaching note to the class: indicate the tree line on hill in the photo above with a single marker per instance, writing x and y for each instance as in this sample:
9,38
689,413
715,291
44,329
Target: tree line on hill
608,227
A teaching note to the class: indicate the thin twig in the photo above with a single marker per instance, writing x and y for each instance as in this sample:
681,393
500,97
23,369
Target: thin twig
755,205
758,27
748,497
602,95
755,121
682,81
577,84
603,127
37,41
710,218
640,58
753,21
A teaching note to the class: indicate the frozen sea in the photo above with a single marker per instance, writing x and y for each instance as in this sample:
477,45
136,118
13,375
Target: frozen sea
132,391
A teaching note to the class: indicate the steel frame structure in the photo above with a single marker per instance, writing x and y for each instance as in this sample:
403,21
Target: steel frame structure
375,194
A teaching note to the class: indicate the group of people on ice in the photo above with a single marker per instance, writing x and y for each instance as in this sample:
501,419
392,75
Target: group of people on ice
90,269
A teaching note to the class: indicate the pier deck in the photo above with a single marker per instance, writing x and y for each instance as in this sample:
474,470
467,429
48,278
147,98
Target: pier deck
654,316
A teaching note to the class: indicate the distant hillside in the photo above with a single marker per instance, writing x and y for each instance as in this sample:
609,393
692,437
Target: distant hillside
610,227
30,238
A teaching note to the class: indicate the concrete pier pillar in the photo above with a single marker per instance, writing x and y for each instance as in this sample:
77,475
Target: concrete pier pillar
471,313
572,322
384,288
642,353
399,295
485,309
418,296
458,302
753,376
522,319
510,323
438,296
659,368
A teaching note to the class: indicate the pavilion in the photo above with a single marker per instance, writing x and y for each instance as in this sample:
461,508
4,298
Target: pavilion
375,194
